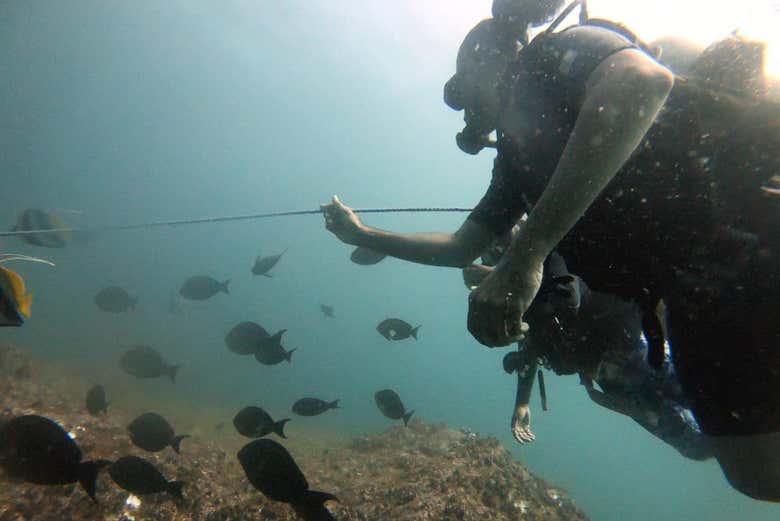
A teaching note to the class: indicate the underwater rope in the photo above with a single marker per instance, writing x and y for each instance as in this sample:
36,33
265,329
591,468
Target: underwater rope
156,224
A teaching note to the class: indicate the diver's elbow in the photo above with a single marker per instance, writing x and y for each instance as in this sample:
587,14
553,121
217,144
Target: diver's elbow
461,258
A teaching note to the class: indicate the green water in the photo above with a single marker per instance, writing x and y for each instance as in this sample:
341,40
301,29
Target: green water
144,110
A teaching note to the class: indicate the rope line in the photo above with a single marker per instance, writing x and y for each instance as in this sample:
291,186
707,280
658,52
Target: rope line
157,224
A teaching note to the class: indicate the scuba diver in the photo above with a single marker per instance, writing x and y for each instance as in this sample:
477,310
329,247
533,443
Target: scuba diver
652,188
598,336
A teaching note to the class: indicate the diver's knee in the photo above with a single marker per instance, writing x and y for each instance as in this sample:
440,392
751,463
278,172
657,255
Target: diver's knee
751,464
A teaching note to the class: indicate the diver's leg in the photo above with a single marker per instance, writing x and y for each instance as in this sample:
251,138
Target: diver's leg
725,341
751,464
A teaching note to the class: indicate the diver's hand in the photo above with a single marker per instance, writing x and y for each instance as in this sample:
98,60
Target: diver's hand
521,424
496,307
473,275
342,221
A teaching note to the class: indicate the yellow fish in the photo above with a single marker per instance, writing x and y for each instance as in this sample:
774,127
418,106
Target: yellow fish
15,302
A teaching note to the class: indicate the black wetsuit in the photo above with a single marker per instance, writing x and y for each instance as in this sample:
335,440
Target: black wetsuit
661,229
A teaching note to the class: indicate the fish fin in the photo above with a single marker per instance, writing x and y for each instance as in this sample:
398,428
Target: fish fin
406,418
223,287
278,427
276,338
311,506
315,497
334,404
288,355
175,489
88,472
172,370
414,331
25,305
176,443
267,275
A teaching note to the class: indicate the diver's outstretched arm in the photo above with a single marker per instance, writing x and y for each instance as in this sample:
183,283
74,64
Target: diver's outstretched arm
457,249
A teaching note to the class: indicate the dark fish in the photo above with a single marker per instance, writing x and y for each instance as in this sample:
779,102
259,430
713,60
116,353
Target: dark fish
138,476
327,310
366,256
391,406
202,287
114,299
313,406
145,362
271,470
397,329
254,422
15,302
246,338
152,432
34,219
96,400
264,264
271,352
37,450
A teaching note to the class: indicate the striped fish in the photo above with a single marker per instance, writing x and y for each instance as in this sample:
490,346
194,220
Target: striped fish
34,219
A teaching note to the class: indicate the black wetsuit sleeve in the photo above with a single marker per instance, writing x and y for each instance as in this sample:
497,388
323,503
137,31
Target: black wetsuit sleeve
503,203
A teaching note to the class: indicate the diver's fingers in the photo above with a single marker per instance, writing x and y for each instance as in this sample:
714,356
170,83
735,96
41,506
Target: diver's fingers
523,435
519,331
338,204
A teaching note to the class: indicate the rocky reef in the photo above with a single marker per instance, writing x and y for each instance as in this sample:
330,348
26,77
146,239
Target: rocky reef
423,472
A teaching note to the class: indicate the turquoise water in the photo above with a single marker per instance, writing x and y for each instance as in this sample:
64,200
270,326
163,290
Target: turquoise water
128,112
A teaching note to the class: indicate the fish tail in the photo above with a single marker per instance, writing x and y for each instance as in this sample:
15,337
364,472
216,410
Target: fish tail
175,489
414,331
172,370
276,339
288,355
406,417
88,472
278,427
334,404
311,506
224,287
25,304
176,443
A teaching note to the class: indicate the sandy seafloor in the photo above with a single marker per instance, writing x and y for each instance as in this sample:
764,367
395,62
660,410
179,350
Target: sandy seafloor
423,472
